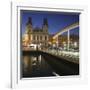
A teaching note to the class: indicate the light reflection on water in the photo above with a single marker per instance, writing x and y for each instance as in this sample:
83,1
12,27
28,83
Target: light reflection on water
35,66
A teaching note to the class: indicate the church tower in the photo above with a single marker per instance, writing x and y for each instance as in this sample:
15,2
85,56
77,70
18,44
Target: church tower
29,26
45,25
27,35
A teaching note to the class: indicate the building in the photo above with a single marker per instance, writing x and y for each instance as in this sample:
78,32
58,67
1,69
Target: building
38,36
63,41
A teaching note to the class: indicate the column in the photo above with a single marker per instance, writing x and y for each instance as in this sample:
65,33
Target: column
68,36
31,39
57,41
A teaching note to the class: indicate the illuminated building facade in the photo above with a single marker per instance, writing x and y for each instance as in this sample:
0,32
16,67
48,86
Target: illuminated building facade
37,36
63,41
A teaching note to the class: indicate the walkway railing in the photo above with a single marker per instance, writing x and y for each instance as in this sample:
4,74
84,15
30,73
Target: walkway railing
68,55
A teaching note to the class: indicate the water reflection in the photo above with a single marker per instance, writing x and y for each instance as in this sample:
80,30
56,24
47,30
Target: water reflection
35,66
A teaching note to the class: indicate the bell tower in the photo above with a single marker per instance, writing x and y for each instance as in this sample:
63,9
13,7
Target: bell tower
45,25
28,31
29,25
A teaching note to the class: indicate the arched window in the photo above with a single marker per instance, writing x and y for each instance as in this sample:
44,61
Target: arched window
40,37
45,37
33,37
37,37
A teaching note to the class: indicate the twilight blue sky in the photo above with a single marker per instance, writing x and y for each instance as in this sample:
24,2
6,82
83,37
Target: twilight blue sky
56,20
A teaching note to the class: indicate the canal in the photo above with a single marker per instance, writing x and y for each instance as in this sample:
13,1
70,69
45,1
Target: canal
35,65
40,64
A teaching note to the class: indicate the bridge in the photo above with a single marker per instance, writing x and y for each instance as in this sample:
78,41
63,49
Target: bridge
66,29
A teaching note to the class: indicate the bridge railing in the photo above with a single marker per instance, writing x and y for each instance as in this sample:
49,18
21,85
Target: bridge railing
69,55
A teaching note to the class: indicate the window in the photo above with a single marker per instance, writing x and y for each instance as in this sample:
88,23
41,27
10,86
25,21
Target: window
40,37
34,37
45,37
37,37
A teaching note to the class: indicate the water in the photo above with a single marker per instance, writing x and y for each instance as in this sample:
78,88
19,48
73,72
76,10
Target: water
35,66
